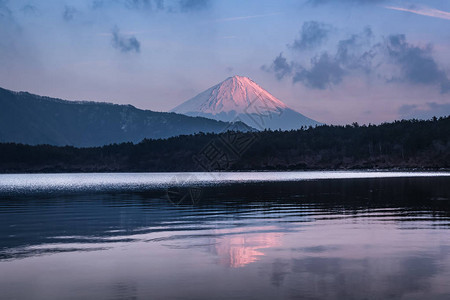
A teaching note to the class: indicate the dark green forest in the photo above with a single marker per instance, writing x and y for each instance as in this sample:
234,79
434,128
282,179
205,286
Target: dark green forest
406,144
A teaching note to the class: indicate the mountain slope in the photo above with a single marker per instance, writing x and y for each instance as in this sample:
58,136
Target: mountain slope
239,98
31,119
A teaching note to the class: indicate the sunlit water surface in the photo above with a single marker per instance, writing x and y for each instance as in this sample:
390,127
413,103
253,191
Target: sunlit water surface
313,235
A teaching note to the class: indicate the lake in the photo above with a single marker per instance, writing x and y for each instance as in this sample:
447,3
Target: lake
249,235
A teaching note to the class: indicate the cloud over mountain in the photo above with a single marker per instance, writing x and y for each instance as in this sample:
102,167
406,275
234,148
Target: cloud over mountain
391,59
312,34
325,70
125,43
416,63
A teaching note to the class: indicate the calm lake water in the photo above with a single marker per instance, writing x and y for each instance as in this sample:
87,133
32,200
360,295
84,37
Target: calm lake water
268,235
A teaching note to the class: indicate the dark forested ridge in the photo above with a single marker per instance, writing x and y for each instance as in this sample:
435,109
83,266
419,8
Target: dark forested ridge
32,119
402,144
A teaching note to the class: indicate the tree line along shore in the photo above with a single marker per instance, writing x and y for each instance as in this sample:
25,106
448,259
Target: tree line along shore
406,144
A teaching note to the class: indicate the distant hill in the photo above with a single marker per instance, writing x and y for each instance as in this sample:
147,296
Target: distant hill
32,119
240,98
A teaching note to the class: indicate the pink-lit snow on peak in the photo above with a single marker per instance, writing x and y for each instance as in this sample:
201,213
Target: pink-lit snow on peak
238,93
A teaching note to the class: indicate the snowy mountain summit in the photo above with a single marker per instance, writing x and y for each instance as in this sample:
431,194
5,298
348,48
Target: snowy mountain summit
239,98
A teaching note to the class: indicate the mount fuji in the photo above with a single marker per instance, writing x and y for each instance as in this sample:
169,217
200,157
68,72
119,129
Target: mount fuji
239,98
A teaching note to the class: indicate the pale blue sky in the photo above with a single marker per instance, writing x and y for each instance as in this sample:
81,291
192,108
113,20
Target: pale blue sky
335,61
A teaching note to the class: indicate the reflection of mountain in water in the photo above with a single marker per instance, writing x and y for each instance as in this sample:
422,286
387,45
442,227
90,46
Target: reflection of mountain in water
240,249
51,222
327,239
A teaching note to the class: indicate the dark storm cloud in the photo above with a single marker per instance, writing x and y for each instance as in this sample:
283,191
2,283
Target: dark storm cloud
312,34
360,54
280,67
416,63
69,13
356,52
327,69
123,43
324,72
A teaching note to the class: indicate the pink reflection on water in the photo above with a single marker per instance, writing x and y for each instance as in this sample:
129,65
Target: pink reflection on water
241,248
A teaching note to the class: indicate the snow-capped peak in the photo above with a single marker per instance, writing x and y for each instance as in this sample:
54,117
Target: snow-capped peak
237,94
238,98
